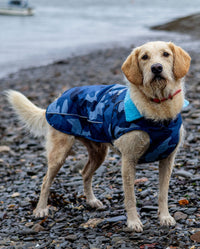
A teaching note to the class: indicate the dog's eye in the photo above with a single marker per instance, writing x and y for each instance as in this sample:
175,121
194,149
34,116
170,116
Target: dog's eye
145,57
165,54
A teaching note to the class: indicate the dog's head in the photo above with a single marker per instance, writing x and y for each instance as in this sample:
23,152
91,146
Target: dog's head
155,67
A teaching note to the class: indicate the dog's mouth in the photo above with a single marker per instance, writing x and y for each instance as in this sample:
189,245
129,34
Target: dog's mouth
158,78
157,86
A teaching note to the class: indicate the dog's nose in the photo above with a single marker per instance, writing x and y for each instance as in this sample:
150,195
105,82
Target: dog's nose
156,68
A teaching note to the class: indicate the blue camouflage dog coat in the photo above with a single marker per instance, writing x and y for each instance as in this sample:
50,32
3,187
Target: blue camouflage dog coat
103,113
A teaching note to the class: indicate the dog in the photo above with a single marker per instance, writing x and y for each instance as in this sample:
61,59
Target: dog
142,121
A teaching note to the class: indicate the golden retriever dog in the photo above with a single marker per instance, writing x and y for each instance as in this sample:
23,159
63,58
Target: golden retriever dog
147,109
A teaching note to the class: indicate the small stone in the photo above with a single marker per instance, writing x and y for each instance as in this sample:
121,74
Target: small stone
102,208
71,237
190,210
63,245
183,173
34,177
3,215
180,216
117,240
17,194
4,148
141,180
148,209
92,223
29,224
195,237
26,231
101,171
11,207
15,238
191,138
38,228
195,179
28,239
116,219
144,193
78,166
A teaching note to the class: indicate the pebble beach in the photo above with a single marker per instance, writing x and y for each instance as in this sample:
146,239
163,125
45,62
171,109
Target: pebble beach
71,223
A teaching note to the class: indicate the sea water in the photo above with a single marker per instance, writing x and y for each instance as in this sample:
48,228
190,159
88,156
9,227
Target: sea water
69,27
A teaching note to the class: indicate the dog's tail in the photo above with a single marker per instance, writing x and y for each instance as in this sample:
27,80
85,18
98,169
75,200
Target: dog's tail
31,116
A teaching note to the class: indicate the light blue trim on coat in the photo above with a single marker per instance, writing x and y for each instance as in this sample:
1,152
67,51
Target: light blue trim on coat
186,103
131,111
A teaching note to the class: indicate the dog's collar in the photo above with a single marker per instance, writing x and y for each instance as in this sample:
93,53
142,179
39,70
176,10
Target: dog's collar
164,99
131,111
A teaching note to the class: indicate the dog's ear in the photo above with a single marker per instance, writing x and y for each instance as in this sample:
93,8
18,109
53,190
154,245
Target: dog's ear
131,68
181,61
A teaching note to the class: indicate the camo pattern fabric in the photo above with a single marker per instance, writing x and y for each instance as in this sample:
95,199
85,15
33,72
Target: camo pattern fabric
98,114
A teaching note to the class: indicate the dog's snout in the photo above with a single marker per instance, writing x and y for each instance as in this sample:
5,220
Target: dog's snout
156,68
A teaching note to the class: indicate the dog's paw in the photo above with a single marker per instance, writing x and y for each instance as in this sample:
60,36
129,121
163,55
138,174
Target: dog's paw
135,225
95,203
167,220
41,212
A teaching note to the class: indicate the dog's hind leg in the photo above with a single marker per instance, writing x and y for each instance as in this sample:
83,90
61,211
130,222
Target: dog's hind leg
97,153
58,146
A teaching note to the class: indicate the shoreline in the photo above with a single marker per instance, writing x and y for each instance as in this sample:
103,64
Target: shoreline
174,30
184,25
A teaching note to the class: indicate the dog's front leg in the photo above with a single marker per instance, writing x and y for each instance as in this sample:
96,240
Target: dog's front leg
165,170
132,146
128,175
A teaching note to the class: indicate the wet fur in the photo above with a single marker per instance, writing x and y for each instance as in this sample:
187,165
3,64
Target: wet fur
143,87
